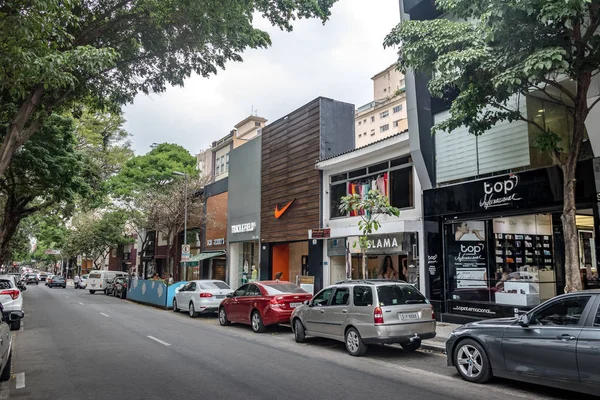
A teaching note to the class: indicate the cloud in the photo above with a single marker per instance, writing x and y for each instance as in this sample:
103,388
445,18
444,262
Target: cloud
336,60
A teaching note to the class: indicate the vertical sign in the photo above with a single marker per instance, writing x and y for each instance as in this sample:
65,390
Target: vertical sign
185,252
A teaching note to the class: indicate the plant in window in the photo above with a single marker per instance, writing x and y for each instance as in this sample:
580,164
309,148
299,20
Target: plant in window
369,207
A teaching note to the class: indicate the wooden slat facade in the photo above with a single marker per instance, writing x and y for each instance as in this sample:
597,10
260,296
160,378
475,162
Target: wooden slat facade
290,149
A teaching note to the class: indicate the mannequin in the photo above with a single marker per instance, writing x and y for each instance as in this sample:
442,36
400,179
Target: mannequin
254,275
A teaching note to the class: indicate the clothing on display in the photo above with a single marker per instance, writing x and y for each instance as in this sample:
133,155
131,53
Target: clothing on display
363,186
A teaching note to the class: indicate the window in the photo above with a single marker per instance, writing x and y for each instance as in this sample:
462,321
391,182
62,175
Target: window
597,320
217,168
253,290
222,164
384,90
5,284
365,134
395,124
226,162
363,296
397,109
373,118
365,121
384,128
359,122
384,114
360,134
257,124
401,188
341,297
283,288
214,285
322,298
241,291
566,312
372,132
192,287
337,192
395,295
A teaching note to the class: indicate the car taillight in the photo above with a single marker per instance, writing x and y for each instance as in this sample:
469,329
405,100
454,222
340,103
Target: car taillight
274,303
432,313
14,294
378,315
206,295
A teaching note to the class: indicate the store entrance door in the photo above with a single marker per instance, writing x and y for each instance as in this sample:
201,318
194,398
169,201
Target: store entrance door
587,250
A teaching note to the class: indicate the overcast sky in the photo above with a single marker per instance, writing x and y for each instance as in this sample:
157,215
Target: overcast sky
336,60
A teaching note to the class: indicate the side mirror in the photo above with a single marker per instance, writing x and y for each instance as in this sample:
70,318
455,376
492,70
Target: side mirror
523,320
307,303
15,315
229,295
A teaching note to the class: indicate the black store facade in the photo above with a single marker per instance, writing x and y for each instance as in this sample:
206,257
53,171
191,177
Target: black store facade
495,246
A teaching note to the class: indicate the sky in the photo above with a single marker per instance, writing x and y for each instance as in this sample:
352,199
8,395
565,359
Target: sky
336,60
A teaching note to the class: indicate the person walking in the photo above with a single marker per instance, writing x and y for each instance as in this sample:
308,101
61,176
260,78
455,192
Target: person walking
76,281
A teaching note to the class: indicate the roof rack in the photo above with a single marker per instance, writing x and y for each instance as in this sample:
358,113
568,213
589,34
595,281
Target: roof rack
369,281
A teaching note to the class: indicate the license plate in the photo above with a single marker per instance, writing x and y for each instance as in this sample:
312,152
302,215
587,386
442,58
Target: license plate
219,297
294,305
93,284
409,316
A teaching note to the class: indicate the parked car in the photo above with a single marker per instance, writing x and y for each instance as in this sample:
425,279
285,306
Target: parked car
202,296
49,279
365,312
555,344
31,279
83,281
58,281
7,318
260,304
120,287
98,280
110,285
43,276
11,299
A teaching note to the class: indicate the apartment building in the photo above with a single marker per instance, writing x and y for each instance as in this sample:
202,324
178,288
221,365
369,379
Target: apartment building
385,116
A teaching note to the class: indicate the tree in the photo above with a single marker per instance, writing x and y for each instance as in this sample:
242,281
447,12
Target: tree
103,53
369,207
491,51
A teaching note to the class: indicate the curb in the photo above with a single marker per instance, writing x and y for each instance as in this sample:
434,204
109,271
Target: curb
433,346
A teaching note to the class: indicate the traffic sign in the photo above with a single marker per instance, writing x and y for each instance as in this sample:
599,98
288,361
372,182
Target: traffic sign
185,252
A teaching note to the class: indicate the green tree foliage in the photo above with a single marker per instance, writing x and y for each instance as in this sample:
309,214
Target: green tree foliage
492,50
369,207
103,53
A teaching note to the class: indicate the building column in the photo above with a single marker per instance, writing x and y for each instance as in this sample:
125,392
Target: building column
596,203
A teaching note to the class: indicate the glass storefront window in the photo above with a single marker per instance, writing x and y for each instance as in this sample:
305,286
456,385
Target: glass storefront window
248,263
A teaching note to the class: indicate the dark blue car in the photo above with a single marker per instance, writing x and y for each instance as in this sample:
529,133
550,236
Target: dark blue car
58,281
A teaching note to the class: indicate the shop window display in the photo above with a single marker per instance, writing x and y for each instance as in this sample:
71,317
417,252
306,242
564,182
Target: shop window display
248,263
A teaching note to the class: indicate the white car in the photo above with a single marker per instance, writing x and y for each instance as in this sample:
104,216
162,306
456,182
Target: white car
11,299
83,281
201,296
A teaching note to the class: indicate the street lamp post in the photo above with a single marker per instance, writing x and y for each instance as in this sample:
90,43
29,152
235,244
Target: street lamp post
185,211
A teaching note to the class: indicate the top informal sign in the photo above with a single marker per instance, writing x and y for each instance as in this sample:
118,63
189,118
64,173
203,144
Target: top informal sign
500,193
243,228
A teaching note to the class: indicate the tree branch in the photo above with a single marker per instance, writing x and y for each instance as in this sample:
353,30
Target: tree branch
561,88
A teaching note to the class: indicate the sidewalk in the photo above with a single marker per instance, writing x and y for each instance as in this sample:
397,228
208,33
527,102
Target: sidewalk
438,344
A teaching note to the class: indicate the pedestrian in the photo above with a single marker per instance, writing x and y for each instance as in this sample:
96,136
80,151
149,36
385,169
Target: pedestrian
76,281
155,277
171,280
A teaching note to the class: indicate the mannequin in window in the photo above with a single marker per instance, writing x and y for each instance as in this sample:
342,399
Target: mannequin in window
387,270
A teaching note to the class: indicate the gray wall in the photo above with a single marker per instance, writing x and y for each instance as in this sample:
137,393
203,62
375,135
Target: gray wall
337,127
243,204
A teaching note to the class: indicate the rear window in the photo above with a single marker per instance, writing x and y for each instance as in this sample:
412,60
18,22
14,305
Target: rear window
282,288
95,276
395,295
5,284
213,285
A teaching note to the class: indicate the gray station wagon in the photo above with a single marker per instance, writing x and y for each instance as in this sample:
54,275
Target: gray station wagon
365,312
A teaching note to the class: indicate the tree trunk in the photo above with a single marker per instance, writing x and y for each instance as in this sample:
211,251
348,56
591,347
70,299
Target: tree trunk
572,274
364,264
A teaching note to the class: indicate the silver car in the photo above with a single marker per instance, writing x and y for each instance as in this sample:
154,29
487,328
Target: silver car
365,312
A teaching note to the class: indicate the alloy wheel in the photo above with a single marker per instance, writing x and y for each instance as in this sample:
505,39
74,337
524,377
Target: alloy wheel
469,361
192,311
352,341
255,322
222,316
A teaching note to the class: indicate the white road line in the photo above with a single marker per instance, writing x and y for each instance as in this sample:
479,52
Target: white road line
106,315
158,340
67,297
80,302
20,380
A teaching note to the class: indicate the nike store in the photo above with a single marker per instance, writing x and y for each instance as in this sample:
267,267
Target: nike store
290,187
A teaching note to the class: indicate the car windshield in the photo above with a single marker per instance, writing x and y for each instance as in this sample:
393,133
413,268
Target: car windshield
5,284
213,285
394,295
94,276
282,288
84,277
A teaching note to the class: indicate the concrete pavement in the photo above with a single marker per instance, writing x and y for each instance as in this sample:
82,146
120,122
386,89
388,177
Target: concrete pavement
80,346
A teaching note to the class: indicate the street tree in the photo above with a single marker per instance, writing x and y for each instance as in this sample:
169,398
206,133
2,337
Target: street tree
57,54
490,51
369,208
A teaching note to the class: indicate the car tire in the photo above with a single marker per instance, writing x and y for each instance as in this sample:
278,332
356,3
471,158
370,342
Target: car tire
257,323
7,369
15,325
299,332
192,311
92,291
175,309
223,317
354,343
472,362
411,346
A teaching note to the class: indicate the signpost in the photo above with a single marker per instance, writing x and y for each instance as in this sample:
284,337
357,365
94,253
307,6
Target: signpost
185,252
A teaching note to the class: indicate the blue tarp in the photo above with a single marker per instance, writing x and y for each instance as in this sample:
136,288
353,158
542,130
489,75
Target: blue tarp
148,292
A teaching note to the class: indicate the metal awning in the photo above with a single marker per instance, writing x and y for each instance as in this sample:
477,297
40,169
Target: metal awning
194,260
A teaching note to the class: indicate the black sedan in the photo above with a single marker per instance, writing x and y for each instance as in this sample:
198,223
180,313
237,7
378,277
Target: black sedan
31,279
556,344
58,281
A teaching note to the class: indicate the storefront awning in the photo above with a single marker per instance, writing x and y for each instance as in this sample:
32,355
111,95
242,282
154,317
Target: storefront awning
195,259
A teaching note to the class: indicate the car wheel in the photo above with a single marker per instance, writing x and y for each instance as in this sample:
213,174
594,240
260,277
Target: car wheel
7,369
257,322
472,362
92,291
299,332
411,346
192,310
223,317
354,343
15,325
175,309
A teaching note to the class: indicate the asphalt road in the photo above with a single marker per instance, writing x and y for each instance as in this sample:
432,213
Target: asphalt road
80,346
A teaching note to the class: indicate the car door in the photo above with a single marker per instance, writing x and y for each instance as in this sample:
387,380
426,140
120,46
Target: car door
252,296
588,348
233,310
314,319
189,295
180,297
547,346
337,312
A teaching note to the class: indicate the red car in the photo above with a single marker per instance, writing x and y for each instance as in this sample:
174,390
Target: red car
261,304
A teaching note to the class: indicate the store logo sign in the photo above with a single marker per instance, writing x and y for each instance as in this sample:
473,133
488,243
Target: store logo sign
279,211
470,252
382,243
242,228
500,194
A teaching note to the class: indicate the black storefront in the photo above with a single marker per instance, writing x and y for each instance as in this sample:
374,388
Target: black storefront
495,246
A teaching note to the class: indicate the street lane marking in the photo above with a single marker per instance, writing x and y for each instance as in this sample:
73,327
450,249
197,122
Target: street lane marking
20,380
67,297
80,302
106,315
159,341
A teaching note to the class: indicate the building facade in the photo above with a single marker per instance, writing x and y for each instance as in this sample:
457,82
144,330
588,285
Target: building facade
385,116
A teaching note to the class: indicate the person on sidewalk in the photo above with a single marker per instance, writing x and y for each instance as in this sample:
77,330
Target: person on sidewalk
76,281
171,280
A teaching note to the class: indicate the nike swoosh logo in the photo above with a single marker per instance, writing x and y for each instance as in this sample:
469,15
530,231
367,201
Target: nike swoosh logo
279,212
